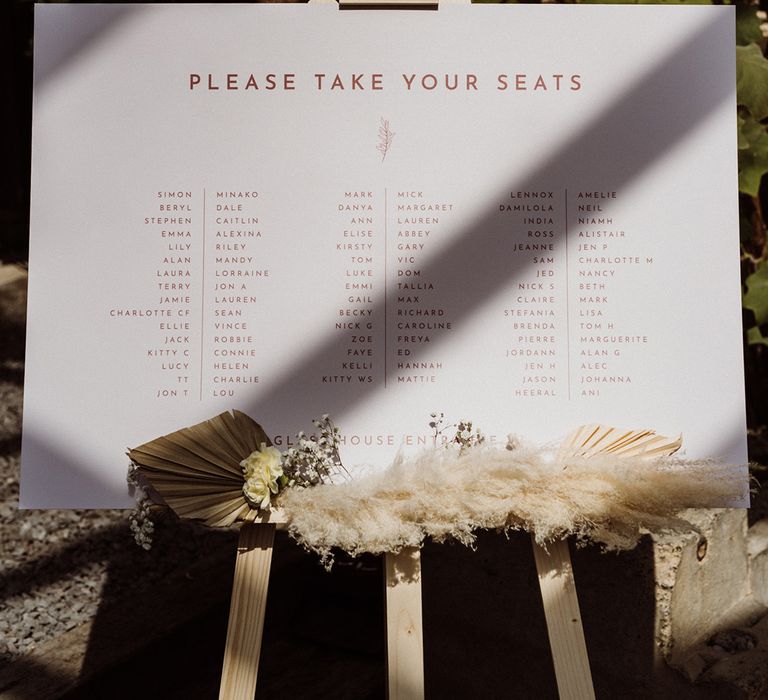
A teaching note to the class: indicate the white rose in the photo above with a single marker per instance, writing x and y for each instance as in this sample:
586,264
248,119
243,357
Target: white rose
261,469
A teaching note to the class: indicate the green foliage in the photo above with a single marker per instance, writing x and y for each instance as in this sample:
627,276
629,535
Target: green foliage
747,25
752,98
756,296
755,337
753,155
752,80
752,91
746,230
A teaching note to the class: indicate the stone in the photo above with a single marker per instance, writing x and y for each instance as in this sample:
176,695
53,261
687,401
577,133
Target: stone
757,548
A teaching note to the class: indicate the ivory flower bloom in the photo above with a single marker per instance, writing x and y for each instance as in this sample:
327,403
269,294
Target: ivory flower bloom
262,468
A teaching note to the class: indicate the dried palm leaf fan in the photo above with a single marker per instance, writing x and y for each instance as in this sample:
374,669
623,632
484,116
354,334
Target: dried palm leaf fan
197,470
593,440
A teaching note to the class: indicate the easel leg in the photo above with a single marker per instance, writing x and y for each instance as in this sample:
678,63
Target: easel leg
566,634
405,646
246,612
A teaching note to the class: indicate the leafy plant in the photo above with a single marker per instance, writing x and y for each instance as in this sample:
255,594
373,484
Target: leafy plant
752,97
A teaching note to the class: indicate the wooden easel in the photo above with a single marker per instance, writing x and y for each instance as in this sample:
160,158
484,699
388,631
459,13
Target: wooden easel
405,648
247,608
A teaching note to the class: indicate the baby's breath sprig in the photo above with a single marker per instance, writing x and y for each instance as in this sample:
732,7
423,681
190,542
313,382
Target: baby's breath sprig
464,436
315,458
437,425
139,518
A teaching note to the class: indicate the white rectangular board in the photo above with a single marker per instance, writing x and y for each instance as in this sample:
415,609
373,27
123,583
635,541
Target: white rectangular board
525,216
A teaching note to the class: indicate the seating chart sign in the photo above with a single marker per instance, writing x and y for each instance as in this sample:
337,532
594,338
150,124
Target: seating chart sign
509,214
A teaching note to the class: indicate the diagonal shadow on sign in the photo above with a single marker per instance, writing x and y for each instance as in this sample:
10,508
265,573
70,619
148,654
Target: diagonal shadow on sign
639,128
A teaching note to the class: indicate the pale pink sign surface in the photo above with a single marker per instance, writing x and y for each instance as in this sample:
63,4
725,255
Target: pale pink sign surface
510,214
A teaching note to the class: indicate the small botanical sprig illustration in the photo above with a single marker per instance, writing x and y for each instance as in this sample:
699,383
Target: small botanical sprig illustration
385,138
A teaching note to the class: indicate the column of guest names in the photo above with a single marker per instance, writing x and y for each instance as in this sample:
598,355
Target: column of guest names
392,310
165,323
234,273
355,240
605,258
535,314
421,312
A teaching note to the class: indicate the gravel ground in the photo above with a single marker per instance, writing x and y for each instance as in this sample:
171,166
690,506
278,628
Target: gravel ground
32,612
49,585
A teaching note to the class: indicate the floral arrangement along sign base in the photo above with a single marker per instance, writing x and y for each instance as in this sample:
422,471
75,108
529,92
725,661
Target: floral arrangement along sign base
603,484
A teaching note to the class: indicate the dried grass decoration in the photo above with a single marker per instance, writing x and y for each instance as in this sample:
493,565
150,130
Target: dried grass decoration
603,484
